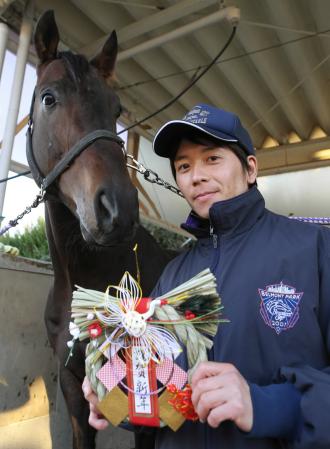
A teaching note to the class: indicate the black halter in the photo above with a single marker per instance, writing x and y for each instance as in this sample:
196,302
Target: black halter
44,182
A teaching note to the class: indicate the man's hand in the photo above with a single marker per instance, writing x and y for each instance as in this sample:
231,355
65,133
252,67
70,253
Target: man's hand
95,420
219,393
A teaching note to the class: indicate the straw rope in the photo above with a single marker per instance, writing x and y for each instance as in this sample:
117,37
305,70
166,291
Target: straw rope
92,367
196,344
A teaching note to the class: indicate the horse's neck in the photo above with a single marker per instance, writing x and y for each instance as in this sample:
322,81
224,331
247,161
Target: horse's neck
62,234
74,261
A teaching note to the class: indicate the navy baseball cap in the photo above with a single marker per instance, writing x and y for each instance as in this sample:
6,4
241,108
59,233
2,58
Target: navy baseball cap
217,123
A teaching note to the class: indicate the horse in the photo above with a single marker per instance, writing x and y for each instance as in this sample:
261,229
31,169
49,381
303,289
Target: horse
91,205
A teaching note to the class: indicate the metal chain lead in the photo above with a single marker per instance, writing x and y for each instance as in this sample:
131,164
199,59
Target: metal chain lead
151,176
12,223
148,174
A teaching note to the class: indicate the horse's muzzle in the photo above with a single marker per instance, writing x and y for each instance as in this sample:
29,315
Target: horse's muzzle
117,236
116,218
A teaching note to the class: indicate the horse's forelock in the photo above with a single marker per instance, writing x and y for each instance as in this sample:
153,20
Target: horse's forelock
77,66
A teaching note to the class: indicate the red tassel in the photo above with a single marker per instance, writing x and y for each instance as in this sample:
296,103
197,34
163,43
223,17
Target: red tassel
181,401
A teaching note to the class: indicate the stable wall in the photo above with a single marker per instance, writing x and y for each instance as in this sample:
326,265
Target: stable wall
32,410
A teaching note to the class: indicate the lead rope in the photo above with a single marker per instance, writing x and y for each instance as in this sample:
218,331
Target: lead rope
149,175
12,223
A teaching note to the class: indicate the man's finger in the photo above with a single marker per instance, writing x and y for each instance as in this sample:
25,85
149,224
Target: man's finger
226,379
207,402
97,422
208,369
86,387
95,419
204,385
219,414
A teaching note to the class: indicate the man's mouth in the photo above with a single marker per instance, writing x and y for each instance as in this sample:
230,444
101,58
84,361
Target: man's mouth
203,196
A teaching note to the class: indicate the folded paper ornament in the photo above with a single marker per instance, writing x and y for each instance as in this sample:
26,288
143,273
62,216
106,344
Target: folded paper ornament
134,344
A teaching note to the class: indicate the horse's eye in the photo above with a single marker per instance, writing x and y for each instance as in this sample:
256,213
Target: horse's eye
48,99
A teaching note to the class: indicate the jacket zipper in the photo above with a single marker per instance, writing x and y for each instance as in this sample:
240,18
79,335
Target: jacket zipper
214,237
216,240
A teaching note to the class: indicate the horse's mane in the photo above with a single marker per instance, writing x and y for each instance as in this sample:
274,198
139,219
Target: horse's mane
76,65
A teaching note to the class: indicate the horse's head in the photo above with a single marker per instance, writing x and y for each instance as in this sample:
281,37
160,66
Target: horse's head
72,99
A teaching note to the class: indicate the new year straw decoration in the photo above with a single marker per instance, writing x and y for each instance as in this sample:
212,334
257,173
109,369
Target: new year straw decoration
189,314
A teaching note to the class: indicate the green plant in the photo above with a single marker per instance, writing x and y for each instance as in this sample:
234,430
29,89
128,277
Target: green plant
32,242
168,240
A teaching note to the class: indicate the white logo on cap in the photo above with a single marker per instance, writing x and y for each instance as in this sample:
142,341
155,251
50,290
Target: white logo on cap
192,112
197,115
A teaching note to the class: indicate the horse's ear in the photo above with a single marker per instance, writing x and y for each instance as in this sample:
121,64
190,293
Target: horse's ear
105,61
46,37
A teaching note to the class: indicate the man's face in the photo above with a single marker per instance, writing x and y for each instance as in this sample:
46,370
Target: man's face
206,175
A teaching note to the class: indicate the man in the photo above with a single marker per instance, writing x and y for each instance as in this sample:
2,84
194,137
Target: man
267,382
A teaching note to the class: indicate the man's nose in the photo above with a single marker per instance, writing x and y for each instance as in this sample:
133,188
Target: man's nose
199,174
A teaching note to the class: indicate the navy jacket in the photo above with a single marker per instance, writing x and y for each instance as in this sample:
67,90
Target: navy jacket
273,275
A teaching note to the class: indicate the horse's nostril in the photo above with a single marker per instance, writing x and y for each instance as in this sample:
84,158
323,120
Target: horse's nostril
108,216
107,210
105,202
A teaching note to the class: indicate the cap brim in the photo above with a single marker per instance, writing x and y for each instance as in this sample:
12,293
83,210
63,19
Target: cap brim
168,137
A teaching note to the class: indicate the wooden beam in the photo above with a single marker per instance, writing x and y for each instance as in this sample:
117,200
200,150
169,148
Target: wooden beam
292,157
133,141
19,126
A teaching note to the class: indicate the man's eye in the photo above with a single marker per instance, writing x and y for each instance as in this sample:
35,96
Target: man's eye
213,158
182,167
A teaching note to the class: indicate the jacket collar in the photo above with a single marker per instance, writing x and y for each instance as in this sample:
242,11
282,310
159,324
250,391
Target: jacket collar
231,216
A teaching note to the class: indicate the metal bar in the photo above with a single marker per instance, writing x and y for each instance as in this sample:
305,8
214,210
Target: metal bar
150,23
229,13
16,92
3,44
135,4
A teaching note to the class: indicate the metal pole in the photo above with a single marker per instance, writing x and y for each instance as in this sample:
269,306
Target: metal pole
3,44
15,97
230,13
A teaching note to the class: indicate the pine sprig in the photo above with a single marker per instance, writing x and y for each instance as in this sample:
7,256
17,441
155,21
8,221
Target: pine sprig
199,299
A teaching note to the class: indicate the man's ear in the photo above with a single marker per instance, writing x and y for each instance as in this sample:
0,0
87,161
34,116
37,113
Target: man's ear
46,37
105,61
252,169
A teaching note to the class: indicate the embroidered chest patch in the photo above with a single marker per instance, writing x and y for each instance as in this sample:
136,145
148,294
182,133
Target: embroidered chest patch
279,306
